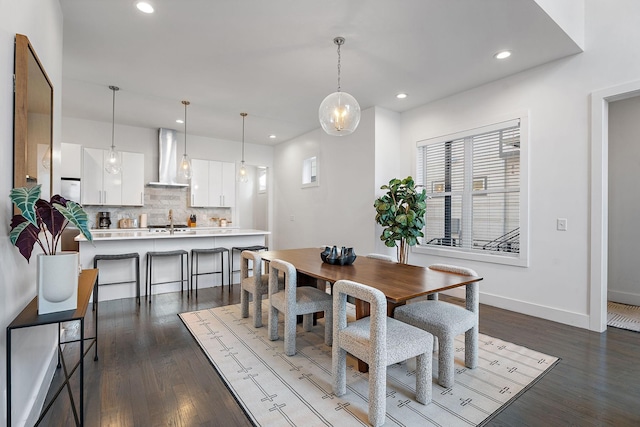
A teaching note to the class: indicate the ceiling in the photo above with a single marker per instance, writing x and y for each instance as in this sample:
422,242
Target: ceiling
276,59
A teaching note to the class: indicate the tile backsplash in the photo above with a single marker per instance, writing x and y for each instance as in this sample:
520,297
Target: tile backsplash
157,202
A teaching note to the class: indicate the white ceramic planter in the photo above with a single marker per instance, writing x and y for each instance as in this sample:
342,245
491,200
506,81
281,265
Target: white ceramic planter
57,282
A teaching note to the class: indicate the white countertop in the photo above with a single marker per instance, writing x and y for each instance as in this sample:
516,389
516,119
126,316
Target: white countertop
144,233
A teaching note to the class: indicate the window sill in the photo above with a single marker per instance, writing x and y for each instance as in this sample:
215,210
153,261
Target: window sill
519,261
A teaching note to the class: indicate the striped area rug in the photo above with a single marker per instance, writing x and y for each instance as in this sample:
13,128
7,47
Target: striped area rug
277,390
623,316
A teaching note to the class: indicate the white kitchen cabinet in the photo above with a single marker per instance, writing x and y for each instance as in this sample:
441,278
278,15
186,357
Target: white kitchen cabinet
70,160
213,183
132,179
102,188
199,183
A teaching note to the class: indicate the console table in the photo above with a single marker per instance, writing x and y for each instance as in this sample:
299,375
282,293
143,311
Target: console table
29,317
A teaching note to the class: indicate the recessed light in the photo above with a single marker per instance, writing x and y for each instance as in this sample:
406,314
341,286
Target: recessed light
145,7
179,121
401,95
502,54
272,137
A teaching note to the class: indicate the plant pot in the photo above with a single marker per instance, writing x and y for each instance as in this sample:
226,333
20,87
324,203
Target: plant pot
57,279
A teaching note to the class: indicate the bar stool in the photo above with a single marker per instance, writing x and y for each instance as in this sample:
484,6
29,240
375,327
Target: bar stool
195,255
133,255
255,248
149,269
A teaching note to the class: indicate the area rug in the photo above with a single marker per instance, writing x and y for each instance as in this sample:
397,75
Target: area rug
623,316
277,390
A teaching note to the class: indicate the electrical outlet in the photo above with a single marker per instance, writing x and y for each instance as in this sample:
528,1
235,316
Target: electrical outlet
292,218
561,224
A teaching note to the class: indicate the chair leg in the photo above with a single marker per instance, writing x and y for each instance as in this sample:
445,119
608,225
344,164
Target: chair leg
377,394
339,370
257,310
471,348
290,334
307,322
273,323
138,279
244,303
328,327
446,361
423,377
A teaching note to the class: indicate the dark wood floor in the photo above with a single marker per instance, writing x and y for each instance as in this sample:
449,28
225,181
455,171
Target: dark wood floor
151,372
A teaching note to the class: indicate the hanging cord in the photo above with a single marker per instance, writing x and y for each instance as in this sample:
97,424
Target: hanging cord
185,125
243,116
113,116
339,41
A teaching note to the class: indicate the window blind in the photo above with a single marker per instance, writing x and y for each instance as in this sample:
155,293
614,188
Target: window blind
473,184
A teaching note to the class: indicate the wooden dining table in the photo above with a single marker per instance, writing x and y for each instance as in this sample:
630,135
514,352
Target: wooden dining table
399,282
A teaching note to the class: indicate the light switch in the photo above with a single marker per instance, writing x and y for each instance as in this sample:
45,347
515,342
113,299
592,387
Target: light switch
292,218
561,224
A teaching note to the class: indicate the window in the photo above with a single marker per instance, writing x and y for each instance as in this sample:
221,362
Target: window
262,180
310,172
473,180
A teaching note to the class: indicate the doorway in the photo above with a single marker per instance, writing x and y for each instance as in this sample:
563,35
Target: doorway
623,285
599,204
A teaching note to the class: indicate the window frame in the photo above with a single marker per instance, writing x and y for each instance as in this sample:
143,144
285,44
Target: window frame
522,258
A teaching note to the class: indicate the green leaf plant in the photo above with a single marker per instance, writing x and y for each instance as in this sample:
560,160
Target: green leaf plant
42,222
401,214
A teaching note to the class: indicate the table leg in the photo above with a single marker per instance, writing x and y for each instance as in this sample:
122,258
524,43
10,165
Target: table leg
8,377
82,366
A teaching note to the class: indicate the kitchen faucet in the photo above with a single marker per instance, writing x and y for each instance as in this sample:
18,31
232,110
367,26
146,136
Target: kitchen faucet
170,221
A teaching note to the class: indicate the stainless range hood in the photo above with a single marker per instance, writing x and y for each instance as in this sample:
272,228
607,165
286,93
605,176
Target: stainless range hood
167,160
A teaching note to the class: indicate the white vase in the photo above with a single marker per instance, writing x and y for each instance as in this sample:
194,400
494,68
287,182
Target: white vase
57,282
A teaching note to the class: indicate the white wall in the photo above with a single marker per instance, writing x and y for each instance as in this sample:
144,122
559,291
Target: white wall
555,286
338,210
624,203
32,349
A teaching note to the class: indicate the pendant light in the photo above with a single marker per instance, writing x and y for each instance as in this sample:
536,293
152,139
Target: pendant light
242,172
185,164
113,162
339,113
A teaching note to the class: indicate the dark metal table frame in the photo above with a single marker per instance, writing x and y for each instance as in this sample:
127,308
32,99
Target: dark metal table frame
87,282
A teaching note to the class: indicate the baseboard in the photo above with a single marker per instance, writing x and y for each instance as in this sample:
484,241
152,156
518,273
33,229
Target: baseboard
536,310
622,297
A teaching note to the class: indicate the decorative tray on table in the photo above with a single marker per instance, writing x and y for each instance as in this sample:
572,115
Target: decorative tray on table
330,255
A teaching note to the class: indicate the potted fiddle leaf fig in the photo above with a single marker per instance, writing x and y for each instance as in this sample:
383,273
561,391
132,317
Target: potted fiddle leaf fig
401,214
42,222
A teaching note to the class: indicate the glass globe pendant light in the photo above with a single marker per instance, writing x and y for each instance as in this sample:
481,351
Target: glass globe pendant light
113,162
339,113
185,164
242,172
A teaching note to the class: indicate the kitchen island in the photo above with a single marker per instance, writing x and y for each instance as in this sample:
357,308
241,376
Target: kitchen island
120,241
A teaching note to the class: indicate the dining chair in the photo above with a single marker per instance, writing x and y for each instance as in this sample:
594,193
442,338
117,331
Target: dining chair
446,321
293,301
382,257
257,285
379,341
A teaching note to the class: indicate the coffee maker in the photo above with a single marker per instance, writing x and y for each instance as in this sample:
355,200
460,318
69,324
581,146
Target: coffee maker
104,219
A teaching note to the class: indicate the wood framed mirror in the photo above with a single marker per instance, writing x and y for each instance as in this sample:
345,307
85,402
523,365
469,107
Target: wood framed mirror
32,120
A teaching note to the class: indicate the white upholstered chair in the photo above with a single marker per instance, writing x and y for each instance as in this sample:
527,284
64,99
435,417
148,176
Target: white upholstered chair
381,256
257,285
379,341
446,321
293,301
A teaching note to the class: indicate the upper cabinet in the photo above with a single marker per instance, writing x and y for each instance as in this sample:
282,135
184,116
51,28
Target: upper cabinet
70,160
102,188
212,184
